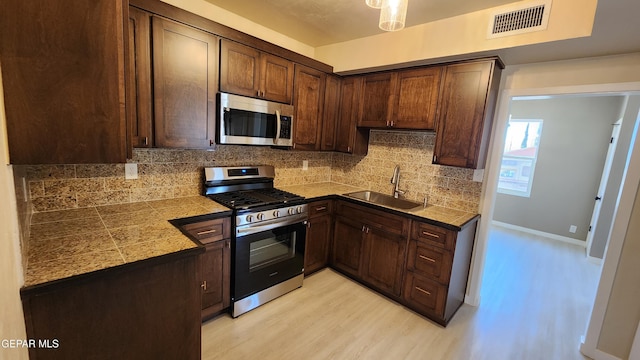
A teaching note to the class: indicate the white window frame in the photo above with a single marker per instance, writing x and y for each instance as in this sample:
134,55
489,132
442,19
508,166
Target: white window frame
534,161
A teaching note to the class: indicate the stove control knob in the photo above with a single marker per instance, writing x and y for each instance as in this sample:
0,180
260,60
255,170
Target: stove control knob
276,214
291,211
260,216
299,209
249,218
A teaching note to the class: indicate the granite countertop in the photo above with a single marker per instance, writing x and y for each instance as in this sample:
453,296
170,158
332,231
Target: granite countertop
66,243
439,214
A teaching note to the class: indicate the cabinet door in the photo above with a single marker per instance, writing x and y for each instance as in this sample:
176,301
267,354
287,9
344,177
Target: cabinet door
139,100
459,128
376,101
277,78
63,72
384,260
185,82
350,139
330,113
347,246
416,98
216,267
239,69
316,252
308,101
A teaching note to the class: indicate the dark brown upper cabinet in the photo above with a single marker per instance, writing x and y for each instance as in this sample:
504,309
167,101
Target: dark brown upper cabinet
375,100
405,99
139,98
415,98
467,101
250,72
185,81
308,100
349,138
331,112
64,81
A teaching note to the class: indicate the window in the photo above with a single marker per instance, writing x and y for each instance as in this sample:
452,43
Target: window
519,157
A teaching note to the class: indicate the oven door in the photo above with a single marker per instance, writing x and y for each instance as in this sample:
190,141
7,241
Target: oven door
266,258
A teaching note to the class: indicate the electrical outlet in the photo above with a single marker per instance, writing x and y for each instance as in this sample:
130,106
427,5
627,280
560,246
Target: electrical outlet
131,171
305,164
478,175
573,229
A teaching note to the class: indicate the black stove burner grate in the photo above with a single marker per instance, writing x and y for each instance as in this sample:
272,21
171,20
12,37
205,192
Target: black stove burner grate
245,199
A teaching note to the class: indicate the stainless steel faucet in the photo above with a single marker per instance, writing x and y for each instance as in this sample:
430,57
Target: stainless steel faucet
395,179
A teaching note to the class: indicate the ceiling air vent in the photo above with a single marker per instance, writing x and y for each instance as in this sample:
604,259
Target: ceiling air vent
526,17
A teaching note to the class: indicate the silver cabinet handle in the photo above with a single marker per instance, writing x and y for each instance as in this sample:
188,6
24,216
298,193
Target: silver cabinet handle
278,127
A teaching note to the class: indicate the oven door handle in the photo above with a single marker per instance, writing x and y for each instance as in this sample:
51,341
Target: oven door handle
278,127
252,229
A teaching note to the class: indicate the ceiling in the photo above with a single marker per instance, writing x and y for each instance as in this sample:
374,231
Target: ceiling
322,22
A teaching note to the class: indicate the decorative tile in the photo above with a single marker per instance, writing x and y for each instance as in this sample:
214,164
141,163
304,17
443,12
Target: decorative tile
99,170
50,216
49,203
129,218
53,248
69,266
122,208
66,227
42,172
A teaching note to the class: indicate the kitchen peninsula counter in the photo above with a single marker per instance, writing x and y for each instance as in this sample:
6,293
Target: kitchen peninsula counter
69,243
450,218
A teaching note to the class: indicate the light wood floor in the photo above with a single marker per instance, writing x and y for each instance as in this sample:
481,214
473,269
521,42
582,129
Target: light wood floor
536,299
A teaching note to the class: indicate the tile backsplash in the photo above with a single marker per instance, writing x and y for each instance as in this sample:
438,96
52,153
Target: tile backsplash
164,174
412,151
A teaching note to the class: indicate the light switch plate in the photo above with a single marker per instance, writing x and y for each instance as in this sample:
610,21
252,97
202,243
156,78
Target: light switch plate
131,171
305,164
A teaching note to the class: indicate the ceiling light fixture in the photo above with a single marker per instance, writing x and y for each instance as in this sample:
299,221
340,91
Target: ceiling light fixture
376,4
393,14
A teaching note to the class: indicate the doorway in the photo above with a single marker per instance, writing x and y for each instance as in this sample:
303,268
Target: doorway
555,152
624,204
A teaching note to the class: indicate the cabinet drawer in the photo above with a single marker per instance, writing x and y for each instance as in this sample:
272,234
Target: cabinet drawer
424,295
210,230
433,235
374,218
432,262
318,208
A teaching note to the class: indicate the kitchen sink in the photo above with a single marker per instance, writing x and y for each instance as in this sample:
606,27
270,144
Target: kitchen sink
386,200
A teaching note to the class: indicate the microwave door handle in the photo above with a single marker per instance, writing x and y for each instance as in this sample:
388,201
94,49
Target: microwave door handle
278,125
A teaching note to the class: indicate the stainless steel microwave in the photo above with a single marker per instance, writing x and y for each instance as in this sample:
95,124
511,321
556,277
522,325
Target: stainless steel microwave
247,121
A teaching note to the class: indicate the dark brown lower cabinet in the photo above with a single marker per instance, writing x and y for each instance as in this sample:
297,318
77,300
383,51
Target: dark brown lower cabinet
416,263
370,246
346,252
437,269
319,234
215,263
145,310
384,260
216,270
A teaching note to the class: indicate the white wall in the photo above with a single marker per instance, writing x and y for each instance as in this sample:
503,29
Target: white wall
11,279
456,36
573,146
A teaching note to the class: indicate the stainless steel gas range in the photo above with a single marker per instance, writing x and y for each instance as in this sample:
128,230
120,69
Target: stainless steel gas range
269,231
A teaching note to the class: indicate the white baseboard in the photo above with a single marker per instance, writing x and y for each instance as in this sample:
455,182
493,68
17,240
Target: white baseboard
595,354
470,301
565,239
594,260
